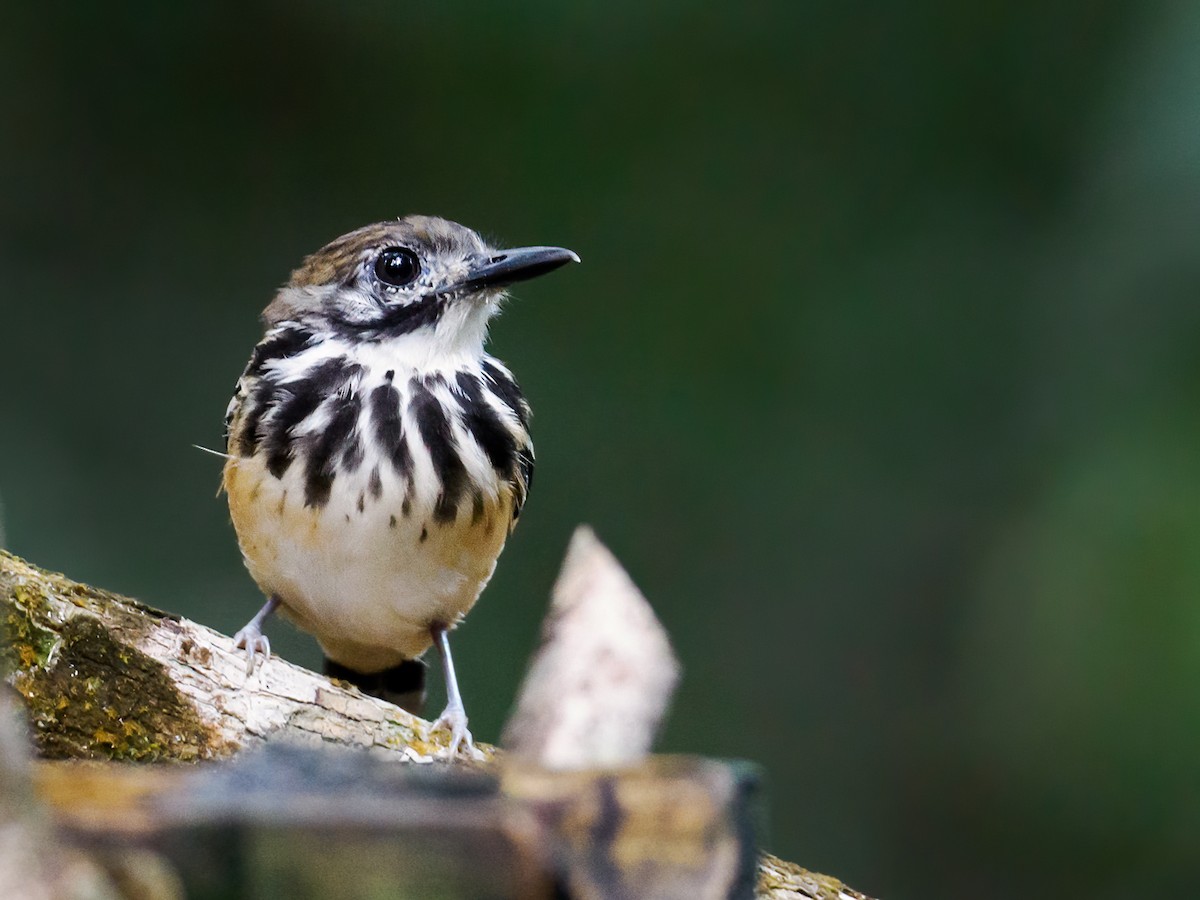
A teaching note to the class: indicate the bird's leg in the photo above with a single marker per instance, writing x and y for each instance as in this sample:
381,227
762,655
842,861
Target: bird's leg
454,716
251,637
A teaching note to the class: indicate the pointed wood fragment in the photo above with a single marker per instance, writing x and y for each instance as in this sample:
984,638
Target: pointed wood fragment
600,682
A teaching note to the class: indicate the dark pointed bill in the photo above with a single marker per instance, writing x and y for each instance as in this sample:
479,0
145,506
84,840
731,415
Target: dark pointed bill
510,266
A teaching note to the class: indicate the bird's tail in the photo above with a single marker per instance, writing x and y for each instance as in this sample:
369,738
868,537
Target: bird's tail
403,685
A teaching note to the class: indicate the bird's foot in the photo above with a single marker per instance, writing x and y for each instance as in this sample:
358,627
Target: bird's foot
252,639
254,642
454,720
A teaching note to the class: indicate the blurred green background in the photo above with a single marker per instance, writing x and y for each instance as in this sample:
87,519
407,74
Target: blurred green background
879,376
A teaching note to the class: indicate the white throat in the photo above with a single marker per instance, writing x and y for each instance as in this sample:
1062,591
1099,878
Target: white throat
455,342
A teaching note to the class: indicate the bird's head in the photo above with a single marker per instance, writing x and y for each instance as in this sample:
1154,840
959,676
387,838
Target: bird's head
420,275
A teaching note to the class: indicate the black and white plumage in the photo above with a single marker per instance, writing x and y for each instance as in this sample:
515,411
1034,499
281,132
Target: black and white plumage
378,458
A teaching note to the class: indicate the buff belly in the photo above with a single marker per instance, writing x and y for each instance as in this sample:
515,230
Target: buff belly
365,573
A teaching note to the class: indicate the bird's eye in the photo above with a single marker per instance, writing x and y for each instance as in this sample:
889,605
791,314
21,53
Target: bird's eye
397,266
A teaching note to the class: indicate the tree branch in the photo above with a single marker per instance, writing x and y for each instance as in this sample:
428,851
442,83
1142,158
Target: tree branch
103,677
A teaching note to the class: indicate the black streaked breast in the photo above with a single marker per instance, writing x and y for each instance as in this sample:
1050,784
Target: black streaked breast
434,427
483,424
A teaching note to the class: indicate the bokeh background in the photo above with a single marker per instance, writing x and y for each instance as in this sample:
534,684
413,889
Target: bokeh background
880,375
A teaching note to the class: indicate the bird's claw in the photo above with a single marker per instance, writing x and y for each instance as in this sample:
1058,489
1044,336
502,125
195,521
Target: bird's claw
254,642
454,720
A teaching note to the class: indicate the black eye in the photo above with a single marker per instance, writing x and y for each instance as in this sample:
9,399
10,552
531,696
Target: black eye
397,266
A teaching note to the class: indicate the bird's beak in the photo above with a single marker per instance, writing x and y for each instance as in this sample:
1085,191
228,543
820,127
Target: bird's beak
508,266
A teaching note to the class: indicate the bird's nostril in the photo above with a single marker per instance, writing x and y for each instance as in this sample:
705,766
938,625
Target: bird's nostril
500,258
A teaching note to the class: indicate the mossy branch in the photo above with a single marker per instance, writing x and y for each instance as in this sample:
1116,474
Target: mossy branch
103,677
106,677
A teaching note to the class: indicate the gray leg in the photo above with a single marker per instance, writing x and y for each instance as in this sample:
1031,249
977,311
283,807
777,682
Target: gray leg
454,716
251,637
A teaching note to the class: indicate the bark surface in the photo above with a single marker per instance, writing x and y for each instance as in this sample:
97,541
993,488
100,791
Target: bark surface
103,677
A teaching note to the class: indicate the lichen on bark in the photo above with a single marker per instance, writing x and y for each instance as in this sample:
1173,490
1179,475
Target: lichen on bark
88,694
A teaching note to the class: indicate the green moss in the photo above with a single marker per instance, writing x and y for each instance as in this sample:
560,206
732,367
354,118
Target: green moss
87,693
24,644
101,699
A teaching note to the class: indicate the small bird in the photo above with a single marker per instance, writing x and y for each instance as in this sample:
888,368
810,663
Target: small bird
377,457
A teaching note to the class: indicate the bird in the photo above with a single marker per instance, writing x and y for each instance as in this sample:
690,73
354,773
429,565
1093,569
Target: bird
377,457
